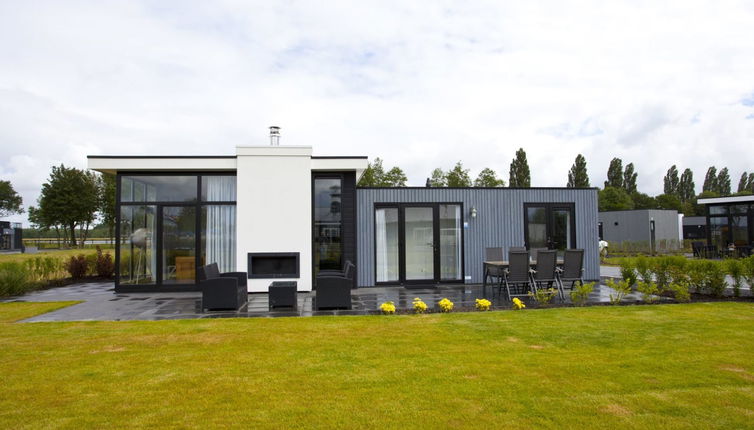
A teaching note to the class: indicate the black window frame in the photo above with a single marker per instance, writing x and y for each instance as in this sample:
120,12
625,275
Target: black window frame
549,206
749,214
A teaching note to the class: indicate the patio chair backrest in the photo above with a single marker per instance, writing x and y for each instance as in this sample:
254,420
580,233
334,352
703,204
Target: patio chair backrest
493,254
573,262
517,248
209,271
535,251
518,269
348,269
546,265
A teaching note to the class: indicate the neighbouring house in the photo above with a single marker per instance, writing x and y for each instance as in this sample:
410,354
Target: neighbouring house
281,213
730,220
642,230
695,228
11,236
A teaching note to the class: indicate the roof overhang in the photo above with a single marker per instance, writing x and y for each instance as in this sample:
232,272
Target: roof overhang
126,163
723,200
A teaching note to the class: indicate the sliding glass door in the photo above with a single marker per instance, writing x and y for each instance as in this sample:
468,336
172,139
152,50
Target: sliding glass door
418,244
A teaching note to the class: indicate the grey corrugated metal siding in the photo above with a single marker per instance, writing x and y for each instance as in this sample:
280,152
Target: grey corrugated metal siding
499,221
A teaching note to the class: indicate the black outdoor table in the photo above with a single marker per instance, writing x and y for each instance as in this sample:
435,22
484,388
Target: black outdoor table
282,294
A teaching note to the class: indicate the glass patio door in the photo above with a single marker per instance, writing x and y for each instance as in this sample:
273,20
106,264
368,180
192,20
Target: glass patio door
418,244
178,244
419,240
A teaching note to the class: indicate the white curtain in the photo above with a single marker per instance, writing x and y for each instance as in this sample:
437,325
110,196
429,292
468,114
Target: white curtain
381,245
220,231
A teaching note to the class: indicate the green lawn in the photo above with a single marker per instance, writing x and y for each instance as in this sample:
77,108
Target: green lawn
663,366
61,254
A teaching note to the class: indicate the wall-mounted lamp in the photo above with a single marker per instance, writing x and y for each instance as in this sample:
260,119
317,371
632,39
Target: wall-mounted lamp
473,212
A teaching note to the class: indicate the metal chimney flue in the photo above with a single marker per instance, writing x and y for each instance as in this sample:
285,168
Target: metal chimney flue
275,136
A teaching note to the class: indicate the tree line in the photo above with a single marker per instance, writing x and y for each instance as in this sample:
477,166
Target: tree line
620,191
70,202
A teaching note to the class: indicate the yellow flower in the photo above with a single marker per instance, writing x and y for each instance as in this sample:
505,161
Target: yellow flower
483,304
518,304
387,308
445,305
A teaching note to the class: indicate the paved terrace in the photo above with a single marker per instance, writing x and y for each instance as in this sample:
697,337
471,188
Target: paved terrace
100,302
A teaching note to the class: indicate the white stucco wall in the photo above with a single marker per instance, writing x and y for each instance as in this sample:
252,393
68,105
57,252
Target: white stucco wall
274,208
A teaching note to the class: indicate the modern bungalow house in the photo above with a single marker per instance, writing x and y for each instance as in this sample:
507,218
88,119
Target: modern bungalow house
281,213
730,221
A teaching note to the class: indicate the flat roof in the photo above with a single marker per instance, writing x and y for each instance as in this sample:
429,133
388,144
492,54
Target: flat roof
730,199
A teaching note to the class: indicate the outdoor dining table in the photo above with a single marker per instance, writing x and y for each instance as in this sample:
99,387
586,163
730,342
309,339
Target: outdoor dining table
504,264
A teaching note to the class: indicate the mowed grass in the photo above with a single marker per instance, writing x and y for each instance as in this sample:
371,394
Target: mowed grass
646,367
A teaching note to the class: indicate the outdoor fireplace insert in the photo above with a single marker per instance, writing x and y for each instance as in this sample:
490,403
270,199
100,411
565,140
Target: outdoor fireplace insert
264,265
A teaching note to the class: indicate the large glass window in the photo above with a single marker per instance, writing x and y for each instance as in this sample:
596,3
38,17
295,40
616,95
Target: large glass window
386,244
450,242
158,188
173,227
739,230
218,231
537,224
420,243
718,228
178,244
328,253
137,243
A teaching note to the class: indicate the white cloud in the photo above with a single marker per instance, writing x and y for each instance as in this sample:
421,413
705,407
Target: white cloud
419,84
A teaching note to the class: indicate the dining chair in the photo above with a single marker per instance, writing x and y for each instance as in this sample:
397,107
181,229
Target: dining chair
573,268
493,272
544,274
516,276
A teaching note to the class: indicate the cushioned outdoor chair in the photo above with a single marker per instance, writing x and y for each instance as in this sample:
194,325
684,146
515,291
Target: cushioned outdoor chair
334,290
222,290
544,275
517,277
573,268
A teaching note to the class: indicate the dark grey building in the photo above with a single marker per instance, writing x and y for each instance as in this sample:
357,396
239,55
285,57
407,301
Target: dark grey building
430,235
645,229
695,228
11,236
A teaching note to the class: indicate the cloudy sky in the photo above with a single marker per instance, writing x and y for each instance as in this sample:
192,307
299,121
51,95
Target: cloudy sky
419,84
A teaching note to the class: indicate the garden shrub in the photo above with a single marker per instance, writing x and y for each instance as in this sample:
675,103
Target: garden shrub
445,305
91,263
77,266
104,266
14,279
621,289
580,293
628,271
483,304
643,268
388,308
44,269
648,290
419,306
748,265
543,296
735,269
695,275
715,278
680,292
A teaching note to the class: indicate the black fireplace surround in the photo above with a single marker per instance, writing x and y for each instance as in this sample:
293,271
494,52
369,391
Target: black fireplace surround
267,265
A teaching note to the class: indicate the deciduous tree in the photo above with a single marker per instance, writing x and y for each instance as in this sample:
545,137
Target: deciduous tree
615,174
458,176
671,182
438,179
578,176
519,174
723,182
10,201
629,178
710,180
488,178
686,186
375,176
614,199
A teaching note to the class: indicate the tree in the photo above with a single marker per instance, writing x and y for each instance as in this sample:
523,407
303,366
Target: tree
686,186
10,201
710,180
577,176
669,201
615,174
519,175
723,182
743,183
70,199
106,194
458,176
751,182
643,201
488,178
438,179
614,199
671,182
629,179
375,176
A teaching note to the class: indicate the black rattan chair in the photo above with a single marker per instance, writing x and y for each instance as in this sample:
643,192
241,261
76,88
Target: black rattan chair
493,273
334,290
222,290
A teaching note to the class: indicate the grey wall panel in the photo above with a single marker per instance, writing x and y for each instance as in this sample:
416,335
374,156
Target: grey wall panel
499,221
633,225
